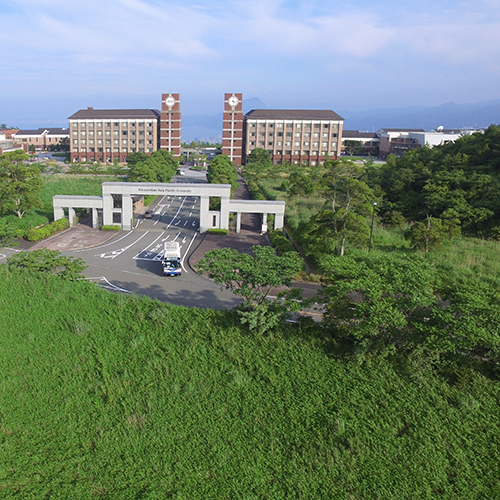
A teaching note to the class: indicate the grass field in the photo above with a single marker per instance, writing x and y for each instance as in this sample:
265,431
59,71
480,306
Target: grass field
113,396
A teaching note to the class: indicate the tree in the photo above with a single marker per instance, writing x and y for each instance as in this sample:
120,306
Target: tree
253,277
221,170
20,184
426,236
257,164
350,200
378,299
48,261
353,147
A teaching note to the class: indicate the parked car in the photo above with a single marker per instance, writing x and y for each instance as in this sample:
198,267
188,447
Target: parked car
181,172
148,214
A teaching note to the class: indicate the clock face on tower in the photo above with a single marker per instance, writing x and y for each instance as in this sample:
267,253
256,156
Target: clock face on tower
233,101
169,101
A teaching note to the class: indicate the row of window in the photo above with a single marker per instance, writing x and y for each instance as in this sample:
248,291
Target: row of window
297,134
296,143
296,153
108,141
297,125
83,133
108,124
108,150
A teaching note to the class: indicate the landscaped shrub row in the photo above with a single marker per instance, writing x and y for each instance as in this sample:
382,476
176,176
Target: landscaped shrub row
48,230
111,228
216,230
255,192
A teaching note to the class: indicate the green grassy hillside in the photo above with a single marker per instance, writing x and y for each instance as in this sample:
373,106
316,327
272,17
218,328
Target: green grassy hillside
113,396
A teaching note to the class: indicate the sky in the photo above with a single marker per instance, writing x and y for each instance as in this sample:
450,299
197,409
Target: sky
59,56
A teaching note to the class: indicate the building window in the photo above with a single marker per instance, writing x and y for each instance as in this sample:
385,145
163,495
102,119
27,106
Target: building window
279,125
271,134
91,125
324,144
306,143
316,135
75,125
124,141
296,143
124,132
297,134
288,125
296,152
83,133
317,125
99,132
91,141
91,132
99,124
75,141
75,133
289,134
270,143
334,145
288,152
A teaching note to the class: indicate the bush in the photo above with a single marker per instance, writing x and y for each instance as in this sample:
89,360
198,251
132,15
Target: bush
48,230
280,242
113,227
216,230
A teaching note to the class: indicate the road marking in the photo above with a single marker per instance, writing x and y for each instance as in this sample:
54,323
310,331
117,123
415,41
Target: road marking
107,244
115,253
108,285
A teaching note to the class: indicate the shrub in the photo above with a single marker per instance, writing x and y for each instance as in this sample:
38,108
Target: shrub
280,242
113,227
48,230
216,230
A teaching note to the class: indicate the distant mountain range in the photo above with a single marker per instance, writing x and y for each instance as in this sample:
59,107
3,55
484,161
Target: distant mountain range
449,115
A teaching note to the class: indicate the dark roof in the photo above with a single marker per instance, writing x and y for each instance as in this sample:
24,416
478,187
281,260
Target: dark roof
355,134
110,114
40,131
57,131
293,114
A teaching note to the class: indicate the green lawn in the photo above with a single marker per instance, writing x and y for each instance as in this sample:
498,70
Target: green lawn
112,396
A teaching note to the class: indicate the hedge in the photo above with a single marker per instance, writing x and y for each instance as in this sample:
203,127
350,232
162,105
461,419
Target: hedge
48,230
113,227
216,230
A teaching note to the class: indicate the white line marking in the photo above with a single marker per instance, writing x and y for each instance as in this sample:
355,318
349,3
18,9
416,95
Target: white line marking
115,253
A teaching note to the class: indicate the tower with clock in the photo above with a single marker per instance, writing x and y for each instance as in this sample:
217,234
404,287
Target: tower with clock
232,127
170,123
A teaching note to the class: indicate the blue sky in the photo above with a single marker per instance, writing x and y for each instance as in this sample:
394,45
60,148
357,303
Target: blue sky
59,56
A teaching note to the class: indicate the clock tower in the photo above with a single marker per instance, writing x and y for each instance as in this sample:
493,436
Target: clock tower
170,123
232,127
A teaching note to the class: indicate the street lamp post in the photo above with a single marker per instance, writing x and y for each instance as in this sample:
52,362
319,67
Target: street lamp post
371,229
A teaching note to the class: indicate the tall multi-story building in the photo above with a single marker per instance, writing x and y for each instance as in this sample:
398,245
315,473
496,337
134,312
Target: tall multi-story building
108,134
170,123
293,135
232,127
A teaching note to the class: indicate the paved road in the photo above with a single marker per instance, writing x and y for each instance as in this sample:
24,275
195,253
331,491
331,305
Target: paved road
131,261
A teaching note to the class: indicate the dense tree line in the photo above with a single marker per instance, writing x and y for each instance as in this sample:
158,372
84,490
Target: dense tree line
459,180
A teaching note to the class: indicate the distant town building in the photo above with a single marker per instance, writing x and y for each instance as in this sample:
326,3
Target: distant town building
40,138
398,141
370,140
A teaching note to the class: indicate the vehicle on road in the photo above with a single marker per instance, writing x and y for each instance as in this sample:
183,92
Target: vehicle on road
171,260
148,214
181,172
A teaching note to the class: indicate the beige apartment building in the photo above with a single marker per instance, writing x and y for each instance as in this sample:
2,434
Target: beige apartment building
108,134
294,135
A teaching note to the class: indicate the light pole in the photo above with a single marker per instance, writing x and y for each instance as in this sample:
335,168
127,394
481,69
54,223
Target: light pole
371,229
